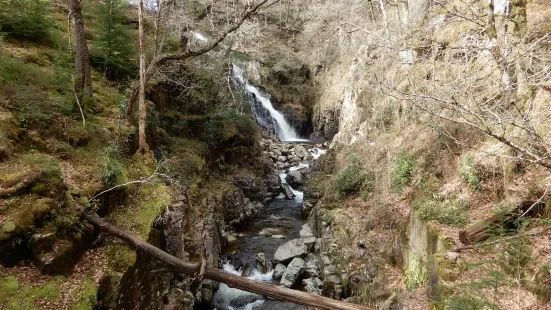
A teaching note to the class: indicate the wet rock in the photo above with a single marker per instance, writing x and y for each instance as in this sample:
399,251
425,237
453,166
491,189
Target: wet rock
242,301
287,191
313,285
300,151
269,232
306,231
231,238
295,178
278,271
261,264
289,250
293,272
311,267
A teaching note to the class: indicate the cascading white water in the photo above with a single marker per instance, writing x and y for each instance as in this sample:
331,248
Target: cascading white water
285,132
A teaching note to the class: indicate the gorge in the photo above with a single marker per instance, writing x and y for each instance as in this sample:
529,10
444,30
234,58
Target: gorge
339,154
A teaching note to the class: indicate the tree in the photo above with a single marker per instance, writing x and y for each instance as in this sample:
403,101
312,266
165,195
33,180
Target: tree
113,50
142,144
160,60
488,82
82,58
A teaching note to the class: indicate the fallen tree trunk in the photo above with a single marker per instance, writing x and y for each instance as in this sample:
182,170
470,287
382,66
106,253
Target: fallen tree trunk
229,279
479,231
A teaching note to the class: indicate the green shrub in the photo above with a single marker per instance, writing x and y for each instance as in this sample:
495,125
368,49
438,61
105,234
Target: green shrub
113,170
469,173
445,212
229,129
26,19
403,171
349,179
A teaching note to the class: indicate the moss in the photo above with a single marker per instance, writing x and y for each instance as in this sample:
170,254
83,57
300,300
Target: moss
120,256
447,212
8,227
86,297
448,270
17,296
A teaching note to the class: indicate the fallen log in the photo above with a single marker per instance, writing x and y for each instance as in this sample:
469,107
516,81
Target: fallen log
485,244
479,231
229,279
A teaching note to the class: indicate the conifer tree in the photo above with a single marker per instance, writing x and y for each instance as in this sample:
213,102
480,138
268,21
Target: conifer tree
113,53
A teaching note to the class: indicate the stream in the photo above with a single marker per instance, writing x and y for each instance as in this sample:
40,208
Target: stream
251,250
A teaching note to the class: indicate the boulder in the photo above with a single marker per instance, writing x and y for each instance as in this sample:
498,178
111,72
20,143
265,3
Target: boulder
310,242
272,182
269,231
301,152
289,250
293,272
306,231
261,264
278,271
295,178
313,285
311,267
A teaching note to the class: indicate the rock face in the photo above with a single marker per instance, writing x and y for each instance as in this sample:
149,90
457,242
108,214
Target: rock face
289,250
293,272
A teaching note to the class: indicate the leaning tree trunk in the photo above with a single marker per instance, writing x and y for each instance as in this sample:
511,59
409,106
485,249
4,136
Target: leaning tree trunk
176,265
82,58
142,144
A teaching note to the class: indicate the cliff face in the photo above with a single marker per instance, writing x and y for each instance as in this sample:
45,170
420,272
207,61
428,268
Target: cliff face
399,88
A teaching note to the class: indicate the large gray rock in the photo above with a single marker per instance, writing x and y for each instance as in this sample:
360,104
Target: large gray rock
300,151
295,178
293,272
313,285
278,271
289,250
311,267
306,231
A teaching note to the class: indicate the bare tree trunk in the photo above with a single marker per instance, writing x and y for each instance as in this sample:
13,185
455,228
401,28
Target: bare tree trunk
157,25
188,53
142,144
82,58
178,266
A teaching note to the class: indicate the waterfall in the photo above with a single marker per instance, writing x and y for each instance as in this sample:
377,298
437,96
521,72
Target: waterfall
265,113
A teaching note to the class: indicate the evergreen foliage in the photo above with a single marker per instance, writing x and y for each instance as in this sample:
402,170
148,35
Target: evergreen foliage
113,51
26,19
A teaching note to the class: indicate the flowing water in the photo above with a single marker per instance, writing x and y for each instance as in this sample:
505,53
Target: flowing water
265,113
280,221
